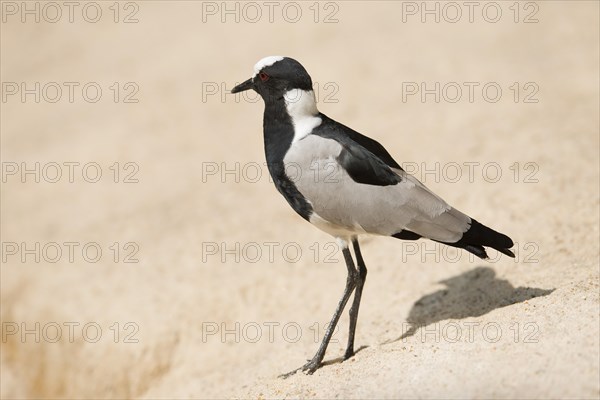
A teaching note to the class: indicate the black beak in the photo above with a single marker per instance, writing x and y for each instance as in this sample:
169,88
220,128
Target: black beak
243,86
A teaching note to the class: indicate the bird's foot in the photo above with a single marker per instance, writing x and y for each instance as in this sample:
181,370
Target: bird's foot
349,353
308,368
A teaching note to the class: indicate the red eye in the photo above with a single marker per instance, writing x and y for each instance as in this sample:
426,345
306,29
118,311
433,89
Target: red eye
263,77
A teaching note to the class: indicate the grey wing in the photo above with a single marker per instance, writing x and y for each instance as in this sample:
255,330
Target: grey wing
437,220
351,192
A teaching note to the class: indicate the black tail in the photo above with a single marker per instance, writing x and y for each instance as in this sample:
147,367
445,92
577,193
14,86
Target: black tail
473,240
480,235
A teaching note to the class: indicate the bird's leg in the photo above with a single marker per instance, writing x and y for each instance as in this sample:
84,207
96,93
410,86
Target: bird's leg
351,281
362,276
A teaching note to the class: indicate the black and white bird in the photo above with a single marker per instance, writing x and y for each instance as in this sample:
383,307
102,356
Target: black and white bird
347,184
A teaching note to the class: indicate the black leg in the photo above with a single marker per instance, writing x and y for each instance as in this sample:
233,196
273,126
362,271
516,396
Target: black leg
362,276
351,281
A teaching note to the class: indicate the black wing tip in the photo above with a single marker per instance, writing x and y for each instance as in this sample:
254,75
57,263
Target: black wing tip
473,240
507,252
478,250
478,236
487,236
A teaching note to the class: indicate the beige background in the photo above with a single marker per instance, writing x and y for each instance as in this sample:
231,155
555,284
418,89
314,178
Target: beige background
528,327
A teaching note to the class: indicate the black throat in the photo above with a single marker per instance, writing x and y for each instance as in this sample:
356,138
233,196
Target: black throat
278,131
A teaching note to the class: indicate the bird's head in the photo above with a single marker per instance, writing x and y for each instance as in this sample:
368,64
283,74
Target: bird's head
276,78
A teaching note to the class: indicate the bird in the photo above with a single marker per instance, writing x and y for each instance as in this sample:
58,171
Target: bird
348,185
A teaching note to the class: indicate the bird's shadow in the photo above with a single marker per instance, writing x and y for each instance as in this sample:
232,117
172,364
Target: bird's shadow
470,294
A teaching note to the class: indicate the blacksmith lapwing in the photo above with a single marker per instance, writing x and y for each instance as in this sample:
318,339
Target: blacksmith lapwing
347,184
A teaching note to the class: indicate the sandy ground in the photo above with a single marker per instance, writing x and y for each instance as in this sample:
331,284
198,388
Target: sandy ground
230,287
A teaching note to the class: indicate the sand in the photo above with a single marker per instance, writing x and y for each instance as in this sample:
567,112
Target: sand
180,272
